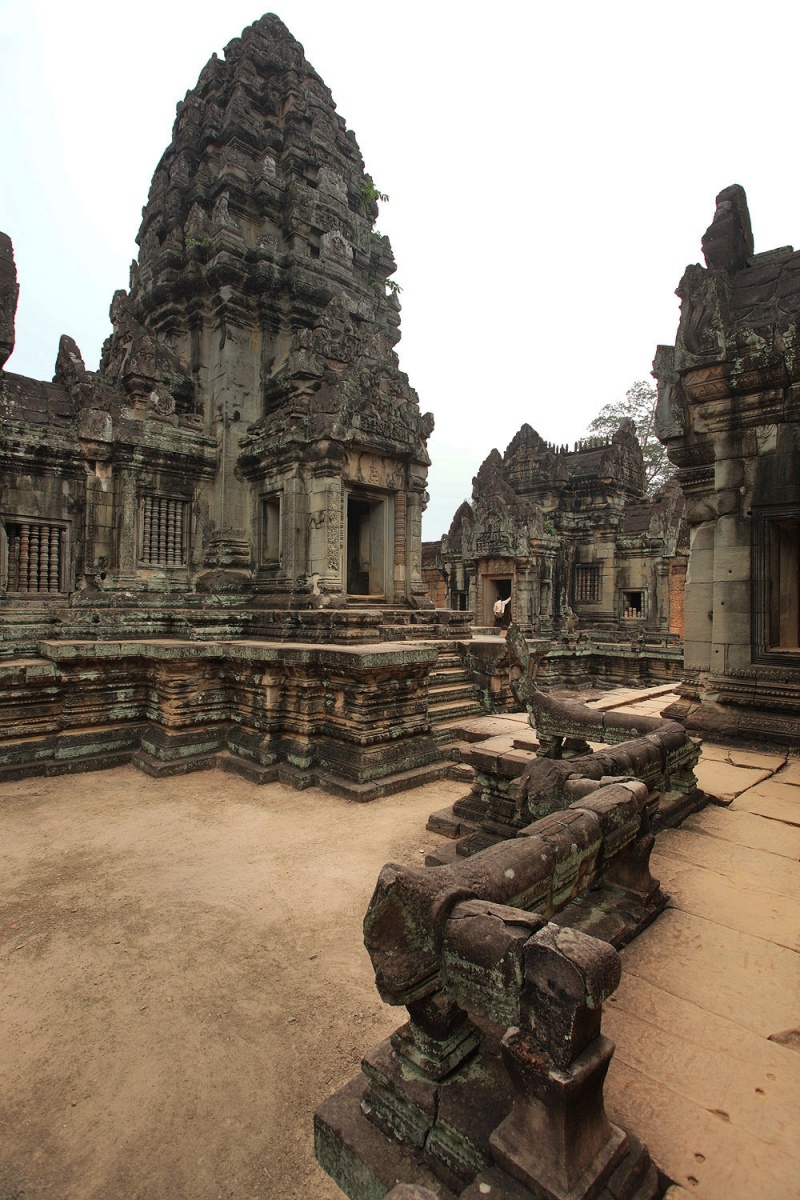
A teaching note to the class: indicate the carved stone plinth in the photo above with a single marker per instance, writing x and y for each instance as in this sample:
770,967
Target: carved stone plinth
439,1036
353,719
558,1140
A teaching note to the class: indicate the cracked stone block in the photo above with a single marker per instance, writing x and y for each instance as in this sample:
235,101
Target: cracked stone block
777,801
724,781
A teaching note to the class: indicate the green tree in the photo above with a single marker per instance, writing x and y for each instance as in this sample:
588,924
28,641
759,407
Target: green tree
640,405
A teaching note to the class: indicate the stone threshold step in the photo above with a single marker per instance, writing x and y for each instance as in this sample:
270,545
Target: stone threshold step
46,768
452,691
302,778
458,708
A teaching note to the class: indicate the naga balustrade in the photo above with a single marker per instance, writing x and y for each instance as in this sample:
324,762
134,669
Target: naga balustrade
495,1083
545,774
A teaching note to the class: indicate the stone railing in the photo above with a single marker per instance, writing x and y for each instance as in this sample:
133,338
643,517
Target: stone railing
592,657
495,1084
545,773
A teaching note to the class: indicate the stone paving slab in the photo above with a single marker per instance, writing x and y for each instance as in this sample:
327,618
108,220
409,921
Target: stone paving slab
523,741
791,772
662,1008
501,743
732,974
762,870
780,790
771,799
746,829
681,1060
637,709
477,729
743,758
755,758
731,900
620,696
709,1156
726,782
718,1104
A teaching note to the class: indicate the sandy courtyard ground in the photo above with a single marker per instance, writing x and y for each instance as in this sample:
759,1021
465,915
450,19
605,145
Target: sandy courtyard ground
184,980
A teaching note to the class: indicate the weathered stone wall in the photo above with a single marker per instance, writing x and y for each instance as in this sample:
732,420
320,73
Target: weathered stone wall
433,576
728,414
677,594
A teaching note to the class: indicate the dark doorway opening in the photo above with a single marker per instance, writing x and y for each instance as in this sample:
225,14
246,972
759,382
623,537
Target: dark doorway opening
501,590
783,581
366,551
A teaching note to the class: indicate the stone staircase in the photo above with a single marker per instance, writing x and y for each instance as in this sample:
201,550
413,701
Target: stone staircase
452,695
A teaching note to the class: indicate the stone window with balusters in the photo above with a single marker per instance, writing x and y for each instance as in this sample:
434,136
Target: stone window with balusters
35,553
163,531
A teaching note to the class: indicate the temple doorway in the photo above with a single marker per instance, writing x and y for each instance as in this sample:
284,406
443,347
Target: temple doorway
366,546
784,584
498,588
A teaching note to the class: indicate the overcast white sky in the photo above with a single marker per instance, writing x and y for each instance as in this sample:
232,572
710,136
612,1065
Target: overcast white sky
551,169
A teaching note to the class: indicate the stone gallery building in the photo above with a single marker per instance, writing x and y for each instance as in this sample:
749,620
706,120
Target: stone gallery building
729,414
559,530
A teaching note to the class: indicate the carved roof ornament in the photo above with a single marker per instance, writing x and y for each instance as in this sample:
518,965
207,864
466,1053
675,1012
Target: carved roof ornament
740,310
728,241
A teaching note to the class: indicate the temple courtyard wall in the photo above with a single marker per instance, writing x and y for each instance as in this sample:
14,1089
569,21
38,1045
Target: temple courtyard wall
186,980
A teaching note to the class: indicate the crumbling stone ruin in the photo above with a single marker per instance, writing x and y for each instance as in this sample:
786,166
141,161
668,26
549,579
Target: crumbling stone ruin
561,530
728,415
565,531
245,470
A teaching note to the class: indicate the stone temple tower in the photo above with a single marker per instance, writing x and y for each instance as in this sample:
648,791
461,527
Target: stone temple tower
257,340
214,540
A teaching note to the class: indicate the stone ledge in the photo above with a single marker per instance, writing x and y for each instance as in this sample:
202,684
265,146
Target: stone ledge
373,654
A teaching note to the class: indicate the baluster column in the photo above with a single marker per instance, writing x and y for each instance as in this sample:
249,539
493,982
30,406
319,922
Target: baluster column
44,558
33,558
54,580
